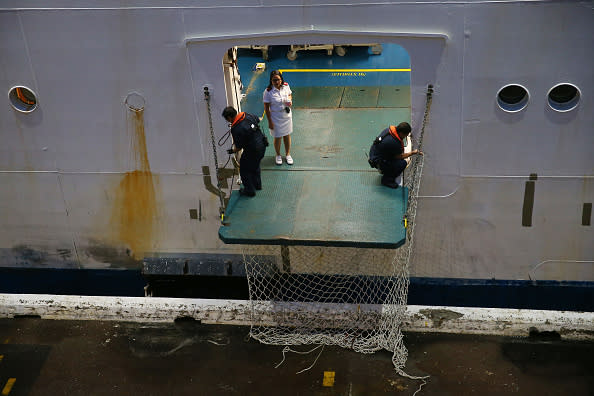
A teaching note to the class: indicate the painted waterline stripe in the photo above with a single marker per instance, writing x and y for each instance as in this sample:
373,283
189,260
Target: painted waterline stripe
341,70
437,319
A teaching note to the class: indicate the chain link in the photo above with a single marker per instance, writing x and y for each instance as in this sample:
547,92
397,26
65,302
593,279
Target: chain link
413,183
418,160
214,151
426,116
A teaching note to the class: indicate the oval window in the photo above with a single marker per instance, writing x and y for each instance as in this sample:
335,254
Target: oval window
564,97
22,99
512,98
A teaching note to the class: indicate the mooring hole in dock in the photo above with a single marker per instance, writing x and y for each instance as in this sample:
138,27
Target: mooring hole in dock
537,335
27,316
187,322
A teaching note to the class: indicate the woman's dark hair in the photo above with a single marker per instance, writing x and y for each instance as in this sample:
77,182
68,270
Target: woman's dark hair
272,74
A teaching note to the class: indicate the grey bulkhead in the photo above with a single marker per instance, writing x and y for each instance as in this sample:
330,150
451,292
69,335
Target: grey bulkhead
72,169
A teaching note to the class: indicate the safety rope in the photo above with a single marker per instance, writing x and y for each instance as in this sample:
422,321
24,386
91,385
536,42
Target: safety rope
214,151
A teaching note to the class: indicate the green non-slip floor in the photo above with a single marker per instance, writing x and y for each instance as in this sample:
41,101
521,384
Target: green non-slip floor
329,208
333,139
330,196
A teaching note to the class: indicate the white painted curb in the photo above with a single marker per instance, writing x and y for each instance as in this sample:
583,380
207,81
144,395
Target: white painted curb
460,320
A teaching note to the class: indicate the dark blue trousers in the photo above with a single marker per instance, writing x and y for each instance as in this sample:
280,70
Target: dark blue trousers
391,169
249,169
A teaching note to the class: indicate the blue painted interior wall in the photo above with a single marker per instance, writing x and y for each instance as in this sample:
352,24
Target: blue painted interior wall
254,82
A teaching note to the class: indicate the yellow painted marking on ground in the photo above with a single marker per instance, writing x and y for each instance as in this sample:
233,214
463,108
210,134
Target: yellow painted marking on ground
8,386
328,378
340,70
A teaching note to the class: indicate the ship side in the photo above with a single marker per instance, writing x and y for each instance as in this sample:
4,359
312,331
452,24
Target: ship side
112,161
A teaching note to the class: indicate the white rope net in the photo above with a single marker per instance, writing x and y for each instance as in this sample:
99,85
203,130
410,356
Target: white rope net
350,297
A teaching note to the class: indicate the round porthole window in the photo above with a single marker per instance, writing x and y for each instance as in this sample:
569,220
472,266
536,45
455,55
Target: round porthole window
564,97
22,99
135,101
512,98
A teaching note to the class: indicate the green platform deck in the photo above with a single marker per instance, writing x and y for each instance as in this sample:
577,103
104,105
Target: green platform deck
328,208
330,196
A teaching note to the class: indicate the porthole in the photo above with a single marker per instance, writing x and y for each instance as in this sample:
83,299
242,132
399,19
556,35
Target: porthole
135,101
22,99
512,98
564,97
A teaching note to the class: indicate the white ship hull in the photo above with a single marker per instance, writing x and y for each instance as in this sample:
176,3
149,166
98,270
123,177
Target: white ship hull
86,183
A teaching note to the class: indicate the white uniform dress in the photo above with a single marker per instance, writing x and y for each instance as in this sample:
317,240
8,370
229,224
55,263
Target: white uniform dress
283,121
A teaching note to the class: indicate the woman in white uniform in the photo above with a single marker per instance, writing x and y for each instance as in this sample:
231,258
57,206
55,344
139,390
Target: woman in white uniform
278,100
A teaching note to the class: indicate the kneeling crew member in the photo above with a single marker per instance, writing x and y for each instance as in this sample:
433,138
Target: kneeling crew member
248,136
387,153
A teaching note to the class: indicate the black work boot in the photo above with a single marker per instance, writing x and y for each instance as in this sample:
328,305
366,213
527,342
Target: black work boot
246,193
390,184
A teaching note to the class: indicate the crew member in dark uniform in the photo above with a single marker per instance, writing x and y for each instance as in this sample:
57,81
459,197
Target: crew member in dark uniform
248,137
387,153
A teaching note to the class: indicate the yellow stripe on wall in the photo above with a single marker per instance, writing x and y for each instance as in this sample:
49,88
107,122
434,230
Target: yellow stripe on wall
341,70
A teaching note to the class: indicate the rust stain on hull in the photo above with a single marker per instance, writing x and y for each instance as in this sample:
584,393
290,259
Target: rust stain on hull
135,212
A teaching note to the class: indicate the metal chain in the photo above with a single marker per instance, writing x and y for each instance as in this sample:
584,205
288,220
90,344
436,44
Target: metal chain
214,151
426,117
413,185
418,160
